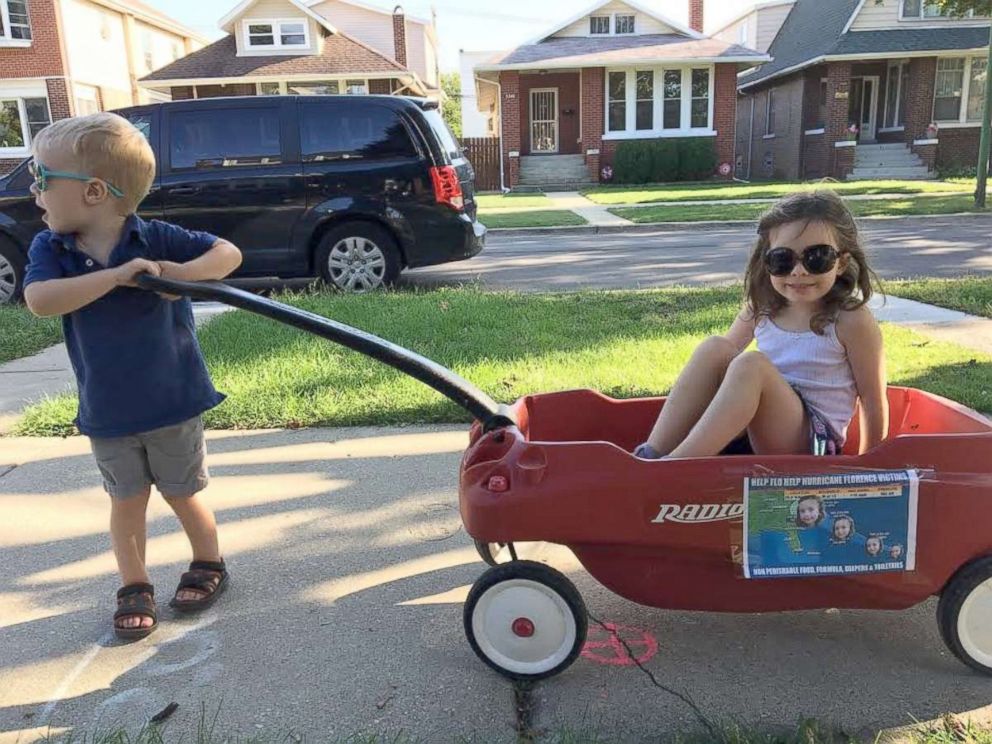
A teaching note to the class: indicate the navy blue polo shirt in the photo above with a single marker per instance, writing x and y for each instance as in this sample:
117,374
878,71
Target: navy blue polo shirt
137,361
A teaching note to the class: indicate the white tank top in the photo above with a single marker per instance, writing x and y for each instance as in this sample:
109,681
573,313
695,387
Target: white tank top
817,366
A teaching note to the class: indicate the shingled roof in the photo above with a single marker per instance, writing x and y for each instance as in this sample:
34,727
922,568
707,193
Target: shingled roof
342,55
579,51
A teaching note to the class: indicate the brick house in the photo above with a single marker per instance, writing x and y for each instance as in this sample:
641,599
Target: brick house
296,47
890,67
47,74
616,71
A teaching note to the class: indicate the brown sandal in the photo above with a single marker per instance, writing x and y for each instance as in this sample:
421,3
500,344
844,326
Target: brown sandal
135,600
210,577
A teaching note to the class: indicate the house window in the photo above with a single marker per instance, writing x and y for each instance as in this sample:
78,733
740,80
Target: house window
770,113
672,100
314,88
949,87
976,88
617,101
276,34
821,106
742,38
357,87
87,101
147,44
599,24
624,24
895,95
268,89
14,21
224,139
176,51
916,9
700,112
20,120
645,99
659,102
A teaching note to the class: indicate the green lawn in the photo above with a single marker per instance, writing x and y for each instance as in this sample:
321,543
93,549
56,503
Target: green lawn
724,212
511,201
537,218
969,294
628,343
766,190
22,334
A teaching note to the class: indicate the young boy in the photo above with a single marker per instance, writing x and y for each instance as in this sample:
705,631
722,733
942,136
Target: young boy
141,377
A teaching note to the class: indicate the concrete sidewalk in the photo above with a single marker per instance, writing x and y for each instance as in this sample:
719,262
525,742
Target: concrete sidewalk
350,568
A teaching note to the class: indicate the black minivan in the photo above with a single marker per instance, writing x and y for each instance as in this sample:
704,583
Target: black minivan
349,188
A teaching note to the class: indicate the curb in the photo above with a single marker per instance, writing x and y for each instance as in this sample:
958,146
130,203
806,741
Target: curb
645,227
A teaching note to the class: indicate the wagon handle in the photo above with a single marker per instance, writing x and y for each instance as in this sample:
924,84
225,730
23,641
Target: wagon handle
457,389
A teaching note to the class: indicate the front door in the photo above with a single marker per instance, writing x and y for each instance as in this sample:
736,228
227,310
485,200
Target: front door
864,106
544,120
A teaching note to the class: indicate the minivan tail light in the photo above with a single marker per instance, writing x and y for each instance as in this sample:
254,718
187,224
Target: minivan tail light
447,188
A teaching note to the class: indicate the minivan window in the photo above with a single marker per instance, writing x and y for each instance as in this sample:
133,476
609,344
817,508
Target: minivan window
448,142
143,123
343,132
224,138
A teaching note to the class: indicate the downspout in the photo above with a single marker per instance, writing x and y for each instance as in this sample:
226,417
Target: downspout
750,139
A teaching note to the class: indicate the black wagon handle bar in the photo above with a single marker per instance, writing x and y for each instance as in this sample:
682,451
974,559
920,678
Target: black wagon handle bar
457,389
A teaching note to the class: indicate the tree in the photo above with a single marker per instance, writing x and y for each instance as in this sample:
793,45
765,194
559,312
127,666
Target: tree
451,109
980,8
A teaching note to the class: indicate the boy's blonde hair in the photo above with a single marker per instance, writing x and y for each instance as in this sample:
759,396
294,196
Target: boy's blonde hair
106,146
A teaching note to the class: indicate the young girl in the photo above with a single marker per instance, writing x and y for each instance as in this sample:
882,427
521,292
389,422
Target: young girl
819,348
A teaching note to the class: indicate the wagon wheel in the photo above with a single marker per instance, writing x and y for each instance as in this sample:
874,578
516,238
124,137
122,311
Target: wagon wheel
525,620
964,614
488,550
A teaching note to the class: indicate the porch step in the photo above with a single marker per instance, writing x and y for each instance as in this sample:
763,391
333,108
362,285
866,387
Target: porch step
548,171
908,173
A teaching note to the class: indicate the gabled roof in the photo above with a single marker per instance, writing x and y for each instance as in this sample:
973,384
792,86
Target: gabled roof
633,4
374,9
814,33
342,55
582,51
243,7
748,11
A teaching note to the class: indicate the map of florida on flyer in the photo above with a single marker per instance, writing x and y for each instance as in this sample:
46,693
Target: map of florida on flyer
830,524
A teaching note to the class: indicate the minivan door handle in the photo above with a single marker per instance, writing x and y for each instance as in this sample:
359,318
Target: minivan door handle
185,190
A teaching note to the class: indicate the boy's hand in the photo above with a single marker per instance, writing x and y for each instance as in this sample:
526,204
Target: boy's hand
172,270
125,274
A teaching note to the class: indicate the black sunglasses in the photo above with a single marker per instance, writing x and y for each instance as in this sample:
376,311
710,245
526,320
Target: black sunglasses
816,259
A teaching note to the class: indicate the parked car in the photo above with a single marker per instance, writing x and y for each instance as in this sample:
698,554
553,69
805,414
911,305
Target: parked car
351,189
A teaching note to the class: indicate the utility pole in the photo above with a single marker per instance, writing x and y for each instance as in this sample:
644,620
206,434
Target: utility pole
984,142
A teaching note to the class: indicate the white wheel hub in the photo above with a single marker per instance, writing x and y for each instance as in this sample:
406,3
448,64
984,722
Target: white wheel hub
356,264
523,626
7,280
975,624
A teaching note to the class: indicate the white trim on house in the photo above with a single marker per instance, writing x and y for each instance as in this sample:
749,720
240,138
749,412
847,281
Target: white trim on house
658,129
409,78
926,142
601,3
275,24
846,143
821,130
754,8
153,20
850,21
243,7
341,81
652,61
19,90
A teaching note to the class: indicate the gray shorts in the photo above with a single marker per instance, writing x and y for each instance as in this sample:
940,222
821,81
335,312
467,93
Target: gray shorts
172,458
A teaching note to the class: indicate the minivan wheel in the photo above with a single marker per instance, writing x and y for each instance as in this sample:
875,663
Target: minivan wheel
358,257
11,273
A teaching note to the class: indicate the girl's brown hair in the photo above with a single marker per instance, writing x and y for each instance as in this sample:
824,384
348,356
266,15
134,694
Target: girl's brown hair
854,286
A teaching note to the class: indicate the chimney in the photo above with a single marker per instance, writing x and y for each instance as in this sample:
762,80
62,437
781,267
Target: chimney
399,34
696,15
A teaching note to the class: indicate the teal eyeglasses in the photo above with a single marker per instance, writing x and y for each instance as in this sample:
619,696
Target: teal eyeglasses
42,174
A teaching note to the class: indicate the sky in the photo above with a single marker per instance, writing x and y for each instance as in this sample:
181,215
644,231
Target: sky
472,25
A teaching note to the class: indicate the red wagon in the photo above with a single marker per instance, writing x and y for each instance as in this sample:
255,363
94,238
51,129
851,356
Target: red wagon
669,533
